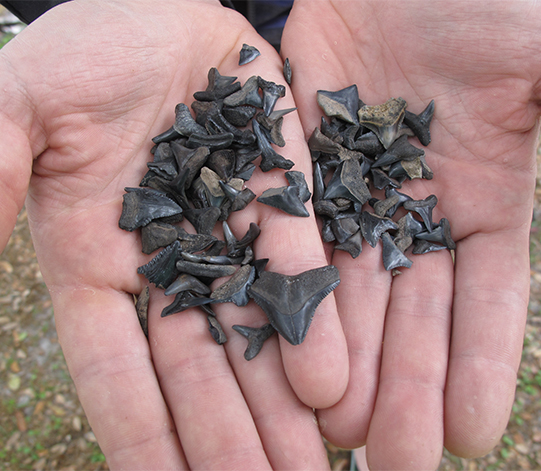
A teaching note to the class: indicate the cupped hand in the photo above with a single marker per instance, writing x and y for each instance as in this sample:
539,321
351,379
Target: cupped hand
434,352
84,89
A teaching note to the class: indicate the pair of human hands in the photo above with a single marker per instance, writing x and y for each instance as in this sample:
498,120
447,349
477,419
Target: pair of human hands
405,364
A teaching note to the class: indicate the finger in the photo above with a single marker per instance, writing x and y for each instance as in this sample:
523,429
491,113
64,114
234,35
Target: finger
211,416
293,245
362,299
406,431
109,360
287,427
489,316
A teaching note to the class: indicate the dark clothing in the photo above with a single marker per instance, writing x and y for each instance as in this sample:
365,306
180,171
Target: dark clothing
267,16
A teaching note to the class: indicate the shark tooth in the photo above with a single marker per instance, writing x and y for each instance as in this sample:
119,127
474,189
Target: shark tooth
235,290
290,301
248,54
161,270
343,104
384,120
420,124
256,336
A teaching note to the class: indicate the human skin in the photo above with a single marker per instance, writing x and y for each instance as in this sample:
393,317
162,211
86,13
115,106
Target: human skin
434,352
82,92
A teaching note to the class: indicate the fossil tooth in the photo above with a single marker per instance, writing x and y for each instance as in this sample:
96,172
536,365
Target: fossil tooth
269,157
347,182
318,142
236,248
141,307
248,54
373,226
383,206
142,205
223,163
184,300
344,228
295,178
409,226
392,256
204,219
286,198
343,104
184,122
326,208
273,129
423,208
353,245
247,95
161,270
271,93
389,192
256,336
425,246
219,86
319,184
239,199
290,301
239,116
212,259
381,180
185,282
420,124
288,75
157,234
204,109
401,149
213,142
235,290
384,120
166,136
216,330
441,234
204,270
369,144
194,242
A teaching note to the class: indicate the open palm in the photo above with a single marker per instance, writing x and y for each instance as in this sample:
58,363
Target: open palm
85,88
434,351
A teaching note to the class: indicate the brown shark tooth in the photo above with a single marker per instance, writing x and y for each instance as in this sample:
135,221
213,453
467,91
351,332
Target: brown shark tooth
216,330
247,95
142,205
343,104
141,307
248,54
318,142
235,290
270,159
392,255
219,86
156,235
290,301
423,208
347,182
285,198
373,226
271,93
161,270
384,120
420,124
256,337
288,75
383,206
185,282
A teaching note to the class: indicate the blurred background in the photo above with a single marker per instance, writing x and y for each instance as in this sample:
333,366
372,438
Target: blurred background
43,426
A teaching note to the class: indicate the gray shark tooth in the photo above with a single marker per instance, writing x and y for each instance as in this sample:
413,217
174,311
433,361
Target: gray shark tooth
248,54
204,109
219,86
384,120
348,182
420,123
392,255
184,122
271,93
256,337
382,180
204,270
342,104
235,290
344,228
247,95
425,246
319,142
319,184
286,198
156,235
296,178
441,234
239,199
369,144
212,259
142,205
269,157
161,270
216,330
185,282
240,115
288,75
166,136
273,129
204,219
400,150
423,208
184,300
237,248
222,162
194,242
213,142
382,207
353,245
290,301
373,226
389,192
141,307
